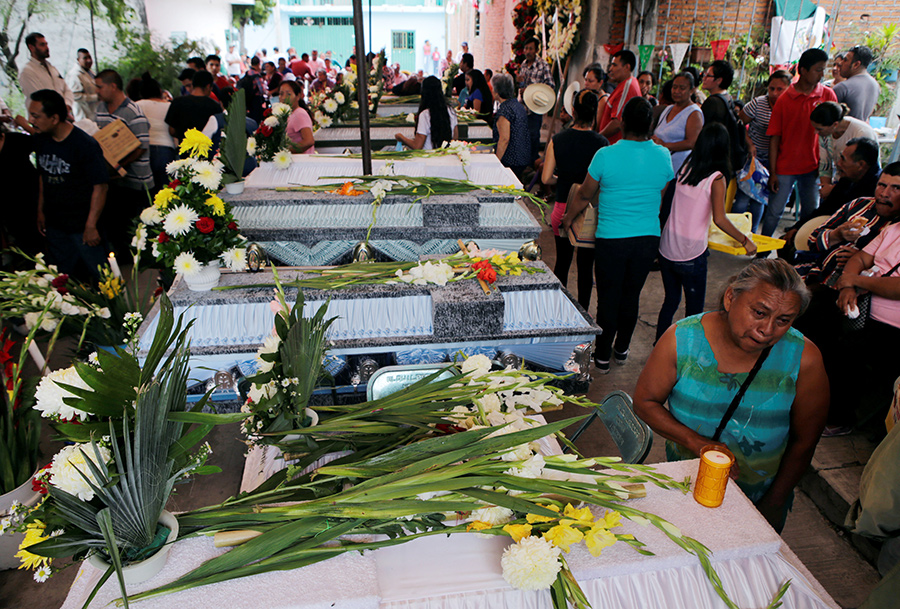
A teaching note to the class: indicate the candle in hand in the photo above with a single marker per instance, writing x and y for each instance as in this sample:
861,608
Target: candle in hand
114,265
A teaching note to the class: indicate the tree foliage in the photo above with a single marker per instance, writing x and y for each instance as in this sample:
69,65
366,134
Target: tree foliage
162,59
257,14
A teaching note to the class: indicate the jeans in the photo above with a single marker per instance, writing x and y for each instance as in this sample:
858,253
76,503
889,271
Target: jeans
689,276
743,202
66,250
622,266
160,156
584,258
807,192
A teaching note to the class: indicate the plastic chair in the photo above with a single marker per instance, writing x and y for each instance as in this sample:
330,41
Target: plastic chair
632,436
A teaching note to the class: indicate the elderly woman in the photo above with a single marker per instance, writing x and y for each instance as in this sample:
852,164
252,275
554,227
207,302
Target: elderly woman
743,378
436,123
510,126
299,125
629,178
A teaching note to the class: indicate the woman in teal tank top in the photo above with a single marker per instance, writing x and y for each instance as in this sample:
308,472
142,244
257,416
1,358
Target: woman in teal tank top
699,365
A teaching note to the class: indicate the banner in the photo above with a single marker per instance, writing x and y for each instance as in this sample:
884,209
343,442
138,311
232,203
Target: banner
679,50
612,49
719,48
645,52
791,38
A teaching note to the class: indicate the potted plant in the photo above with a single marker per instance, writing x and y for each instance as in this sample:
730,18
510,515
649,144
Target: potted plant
233,150
701,47
106,497
188,227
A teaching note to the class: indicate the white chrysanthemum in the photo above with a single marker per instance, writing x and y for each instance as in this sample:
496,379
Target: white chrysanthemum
180,220
478,365
173,167
330,106
68,462
270,345
251,146
49,395
235,259
186,264
531,564
151,216
206,175
324,121
139,241
280,109
493,515
282,159
271,121
339,97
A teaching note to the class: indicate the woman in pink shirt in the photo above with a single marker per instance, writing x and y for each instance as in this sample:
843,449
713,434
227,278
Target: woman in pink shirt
699,195
299,125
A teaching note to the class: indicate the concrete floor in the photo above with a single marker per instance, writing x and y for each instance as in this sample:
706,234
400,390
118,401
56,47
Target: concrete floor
824,550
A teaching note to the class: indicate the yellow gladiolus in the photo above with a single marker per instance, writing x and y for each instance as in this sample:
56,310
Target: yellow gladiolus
217,204
563,536
195,143
598,538
33,534
579,516
611,519
517,531
532,518
477,525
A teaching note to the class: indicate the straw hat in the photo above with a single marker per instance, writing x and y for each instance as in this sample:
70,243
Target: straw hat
801,239
569,97
539,98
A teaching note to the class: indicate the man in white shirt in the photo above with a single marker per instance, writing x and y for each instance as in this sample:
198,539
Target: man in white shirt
316,63
233,62
82,82
39,73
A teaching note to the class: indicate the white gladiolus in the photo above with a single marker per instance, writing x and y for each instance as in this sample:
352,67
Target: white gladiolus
270,345
151,216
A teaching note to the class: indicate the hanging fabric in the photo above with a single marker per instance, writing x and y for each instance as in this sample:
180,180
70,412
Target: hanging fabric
612,49
645,53
679,50
719,48
791,38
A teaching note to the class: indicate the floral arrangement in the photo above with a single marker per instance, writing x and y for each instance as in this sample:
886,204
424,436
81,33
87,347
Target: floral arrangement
20,423
105,495
188,225
340,103
525,16
563,20
269,141
447,78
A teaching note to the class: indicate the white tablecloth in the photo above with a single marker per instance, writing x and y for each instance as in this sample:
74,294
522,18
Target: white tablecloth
307,169
464,571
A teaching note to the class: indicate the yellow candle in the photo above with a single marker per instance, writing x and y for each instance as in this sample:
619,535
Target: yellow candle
712,478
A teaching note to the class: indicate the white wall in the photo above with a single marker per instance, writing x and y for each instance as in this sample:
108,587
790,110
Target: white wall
205,20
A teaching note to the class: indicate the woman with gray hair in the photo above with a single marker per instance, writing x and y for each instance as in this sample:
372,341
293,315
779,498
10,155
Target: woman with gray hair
741,378
510,126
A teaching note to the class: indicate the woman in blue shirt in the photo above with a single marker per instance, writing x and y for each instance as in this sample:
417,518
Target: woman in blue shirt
630,177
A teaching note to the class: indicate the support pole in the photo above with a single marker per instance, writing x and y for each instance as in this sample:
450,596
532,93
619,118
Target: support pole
794,37
362,87
665,42
693,25
744,60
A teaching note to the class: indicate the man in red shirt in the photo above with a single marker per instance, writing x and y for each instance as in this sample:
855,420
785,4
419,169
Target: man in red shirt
794,144
620,71
301,69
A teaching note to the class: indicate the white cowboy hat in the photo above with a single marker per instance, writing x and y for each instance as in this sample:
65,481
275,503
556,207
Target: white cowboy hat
539,98
801,239
569,97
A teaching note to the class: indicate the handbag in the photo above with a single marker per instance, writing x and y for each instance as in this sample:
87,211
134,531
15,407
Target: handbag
864,304
740,394
583,230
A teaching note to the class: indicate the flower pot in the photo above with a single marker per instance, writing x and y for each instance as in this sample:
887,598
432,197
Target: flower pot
206,279
701,55
235,188
145,569
9,542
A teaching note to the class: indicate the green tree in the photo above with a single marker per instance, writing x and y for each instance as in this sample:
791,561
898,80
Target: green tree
257,14
162,59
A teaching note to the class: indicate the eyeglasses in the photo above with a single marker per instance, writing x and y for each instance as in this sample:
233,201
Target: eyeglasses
708,76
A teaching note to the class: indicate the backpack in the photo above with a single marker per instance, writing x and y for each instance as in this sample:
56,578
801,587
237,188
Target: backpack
719,108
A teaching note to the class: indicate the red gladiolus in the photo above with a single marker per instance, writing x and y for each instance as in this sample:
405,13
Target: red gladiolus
174,184
205,225
489,275
163,238
60,280
232,225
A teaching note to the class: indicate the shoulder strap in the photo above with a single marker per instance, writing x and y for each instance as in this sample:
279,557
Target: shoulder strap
740,394
891,272
624,97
